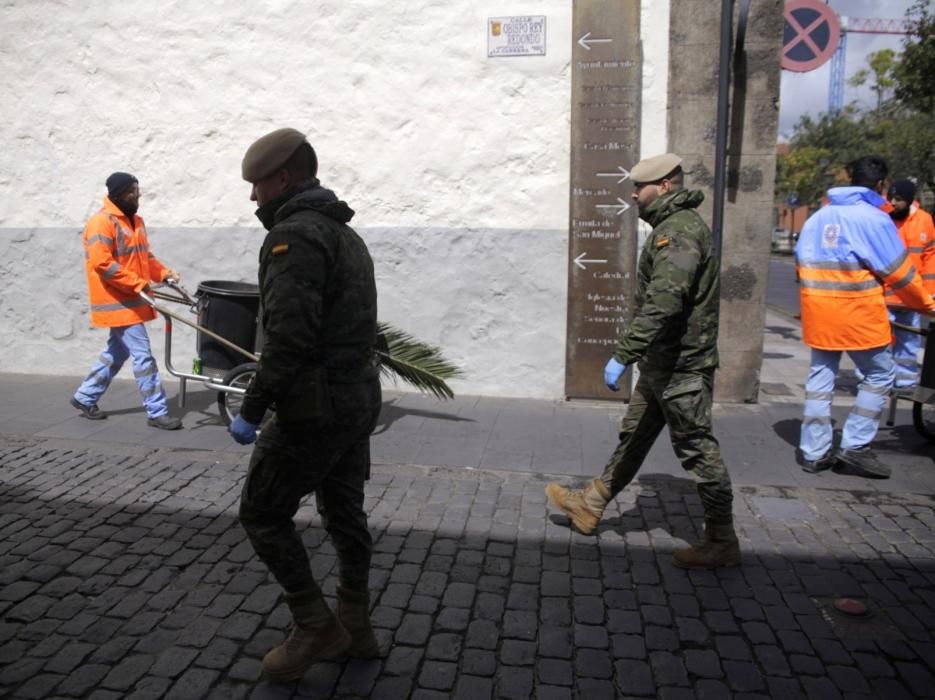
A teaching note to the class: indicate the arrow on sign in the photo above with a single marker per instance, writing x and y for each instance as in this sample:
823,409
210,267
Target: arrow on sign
620,206
581,260
622,173
584,41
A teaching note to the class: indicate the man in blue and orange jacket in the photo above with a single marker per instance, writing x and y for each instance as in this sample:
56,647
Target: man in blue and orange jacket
845,254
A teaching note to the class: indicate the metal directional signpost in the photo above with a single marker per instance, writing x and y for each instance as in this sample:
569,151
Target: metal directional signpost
605,134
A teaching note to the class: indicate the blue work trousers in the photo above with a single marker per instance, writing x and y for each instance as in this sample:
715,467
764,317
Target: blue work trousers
878,370
906,348
126,342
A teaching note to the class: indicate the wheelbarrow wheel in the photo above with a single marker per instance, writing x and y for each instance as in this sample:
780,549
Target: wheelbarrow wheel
229,403
923,418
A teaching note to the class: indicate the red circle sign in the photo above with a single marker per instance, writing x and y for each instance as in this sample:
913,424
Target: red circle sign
811,34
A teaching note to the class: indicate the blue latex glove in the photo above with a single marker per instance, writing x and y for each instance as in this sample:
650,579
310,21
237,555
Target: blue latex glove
612,372
243,431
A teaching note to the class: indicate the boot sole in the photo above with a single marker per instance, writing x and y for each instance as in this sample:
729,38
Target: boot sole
585,527
100,415
335,649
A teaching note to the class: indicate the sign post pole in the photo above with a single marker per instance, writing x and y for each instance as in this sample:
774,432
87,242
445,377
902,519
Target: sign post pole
602,240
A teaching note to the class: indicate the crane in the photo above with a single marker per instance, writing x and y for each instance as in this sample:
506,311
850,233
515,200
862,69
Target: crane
857,25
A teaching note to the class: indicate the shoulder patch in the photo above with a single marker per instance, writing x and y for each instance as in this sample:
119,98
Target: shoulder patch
662,242
279,249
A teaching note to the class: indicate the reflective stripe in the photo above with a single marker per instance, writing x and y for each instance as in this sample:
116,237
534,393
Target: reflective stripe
152,391
929,276
128,304
819,395
145,373
866,413
132,249
816,420
111,271
879,389
831,265
907,278
839,286
916,249
99,238
906,361
889,270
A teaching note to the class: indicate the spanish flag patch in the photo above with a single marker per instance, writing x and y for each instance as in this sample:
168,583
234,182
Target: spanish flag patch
279,249
662,242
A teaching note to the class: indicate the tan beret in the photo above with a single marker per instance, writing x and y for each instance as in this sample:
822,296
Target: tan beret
655,168
269,153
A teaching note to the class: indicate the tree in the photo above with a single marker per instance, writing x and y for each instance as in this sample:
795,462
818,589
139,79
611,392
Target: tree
915,87
883,65
820,150
804,173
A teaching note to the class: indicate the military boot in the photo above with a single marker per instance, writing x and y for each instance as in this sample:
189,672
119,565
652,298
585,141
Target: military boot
719,547
584,507
354,614
316,635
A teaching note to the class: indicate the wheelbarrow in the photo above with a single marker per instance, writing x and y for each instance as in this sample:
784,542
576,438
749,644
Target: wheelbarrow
923,395
233,385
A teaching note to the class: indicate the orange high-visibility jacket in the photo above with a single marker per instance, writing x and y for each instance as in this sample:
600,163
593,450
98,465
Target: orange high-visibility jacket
844,252
119,265
917,232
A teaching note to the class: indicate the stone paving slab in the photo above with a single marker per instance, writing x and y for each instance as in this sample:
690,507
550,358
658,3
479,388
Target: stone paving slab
123,573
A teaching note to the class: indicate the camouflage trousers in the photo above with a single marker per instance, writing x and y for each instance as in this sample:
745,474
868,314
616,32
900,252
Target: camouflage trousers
331,460
681,400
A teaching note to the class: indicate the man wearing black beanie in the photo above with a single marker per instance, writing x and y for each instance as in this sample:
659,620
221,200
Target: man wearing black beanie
119,266
917,231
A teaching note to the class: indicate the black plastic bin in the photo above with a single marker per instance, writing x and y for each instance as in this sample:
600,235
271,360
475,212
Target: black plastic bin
232,310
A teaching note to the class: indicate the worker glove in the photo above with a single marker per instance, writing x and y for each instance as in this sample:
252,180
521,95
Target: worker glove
243,431
612,372
173,276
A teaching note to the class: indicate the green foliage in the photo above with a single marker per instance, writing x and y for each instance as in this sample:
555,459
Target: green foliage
803,173
915,87
416,363
883,65
899,128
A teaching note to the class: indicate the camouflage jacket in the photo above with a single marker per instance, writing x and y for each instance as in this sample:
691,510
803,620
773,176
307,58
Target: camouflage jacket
319,306
676,306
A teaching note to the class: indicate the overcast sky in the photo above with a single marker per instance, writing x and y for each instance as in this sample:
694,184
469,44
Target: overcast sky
807,93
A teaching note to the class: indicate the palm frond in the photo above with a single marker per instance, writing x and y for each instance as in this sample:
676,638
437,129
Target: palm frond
416,363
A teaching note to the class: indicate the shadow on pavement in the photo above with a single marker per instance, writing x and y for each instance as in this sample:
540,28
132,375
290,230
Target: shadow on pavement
390,413
123,572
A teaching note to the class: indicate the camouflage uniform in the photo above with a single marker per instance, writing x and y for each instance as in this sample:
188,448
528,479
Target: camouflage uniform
673,337
318,366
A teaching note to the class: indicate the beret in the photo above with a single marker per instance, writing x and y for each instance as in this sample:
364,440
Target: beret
269,153
655,168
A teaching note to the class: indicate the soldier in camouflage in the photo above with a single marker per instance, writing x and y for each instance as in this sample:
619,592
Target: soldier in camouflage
673,339
318,367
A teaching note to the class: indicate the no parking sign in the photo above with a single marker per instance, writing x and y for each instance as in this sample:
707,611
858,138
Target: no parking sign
811,35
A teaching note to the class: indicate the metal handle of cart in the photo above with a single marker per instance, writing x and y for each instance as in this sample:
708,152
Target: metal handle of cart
185,298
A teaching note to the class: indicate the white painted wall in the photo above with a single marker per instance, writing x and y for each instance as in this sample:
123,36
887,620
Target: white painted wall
456,164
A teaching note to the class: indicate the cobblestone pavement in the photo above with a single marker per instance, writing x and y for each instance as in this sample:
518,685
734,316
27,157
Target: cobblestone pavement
123,573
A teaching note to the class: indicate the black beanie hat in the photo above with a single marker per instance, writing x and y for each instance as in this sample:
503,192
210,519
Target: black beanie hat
904,189
118,183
